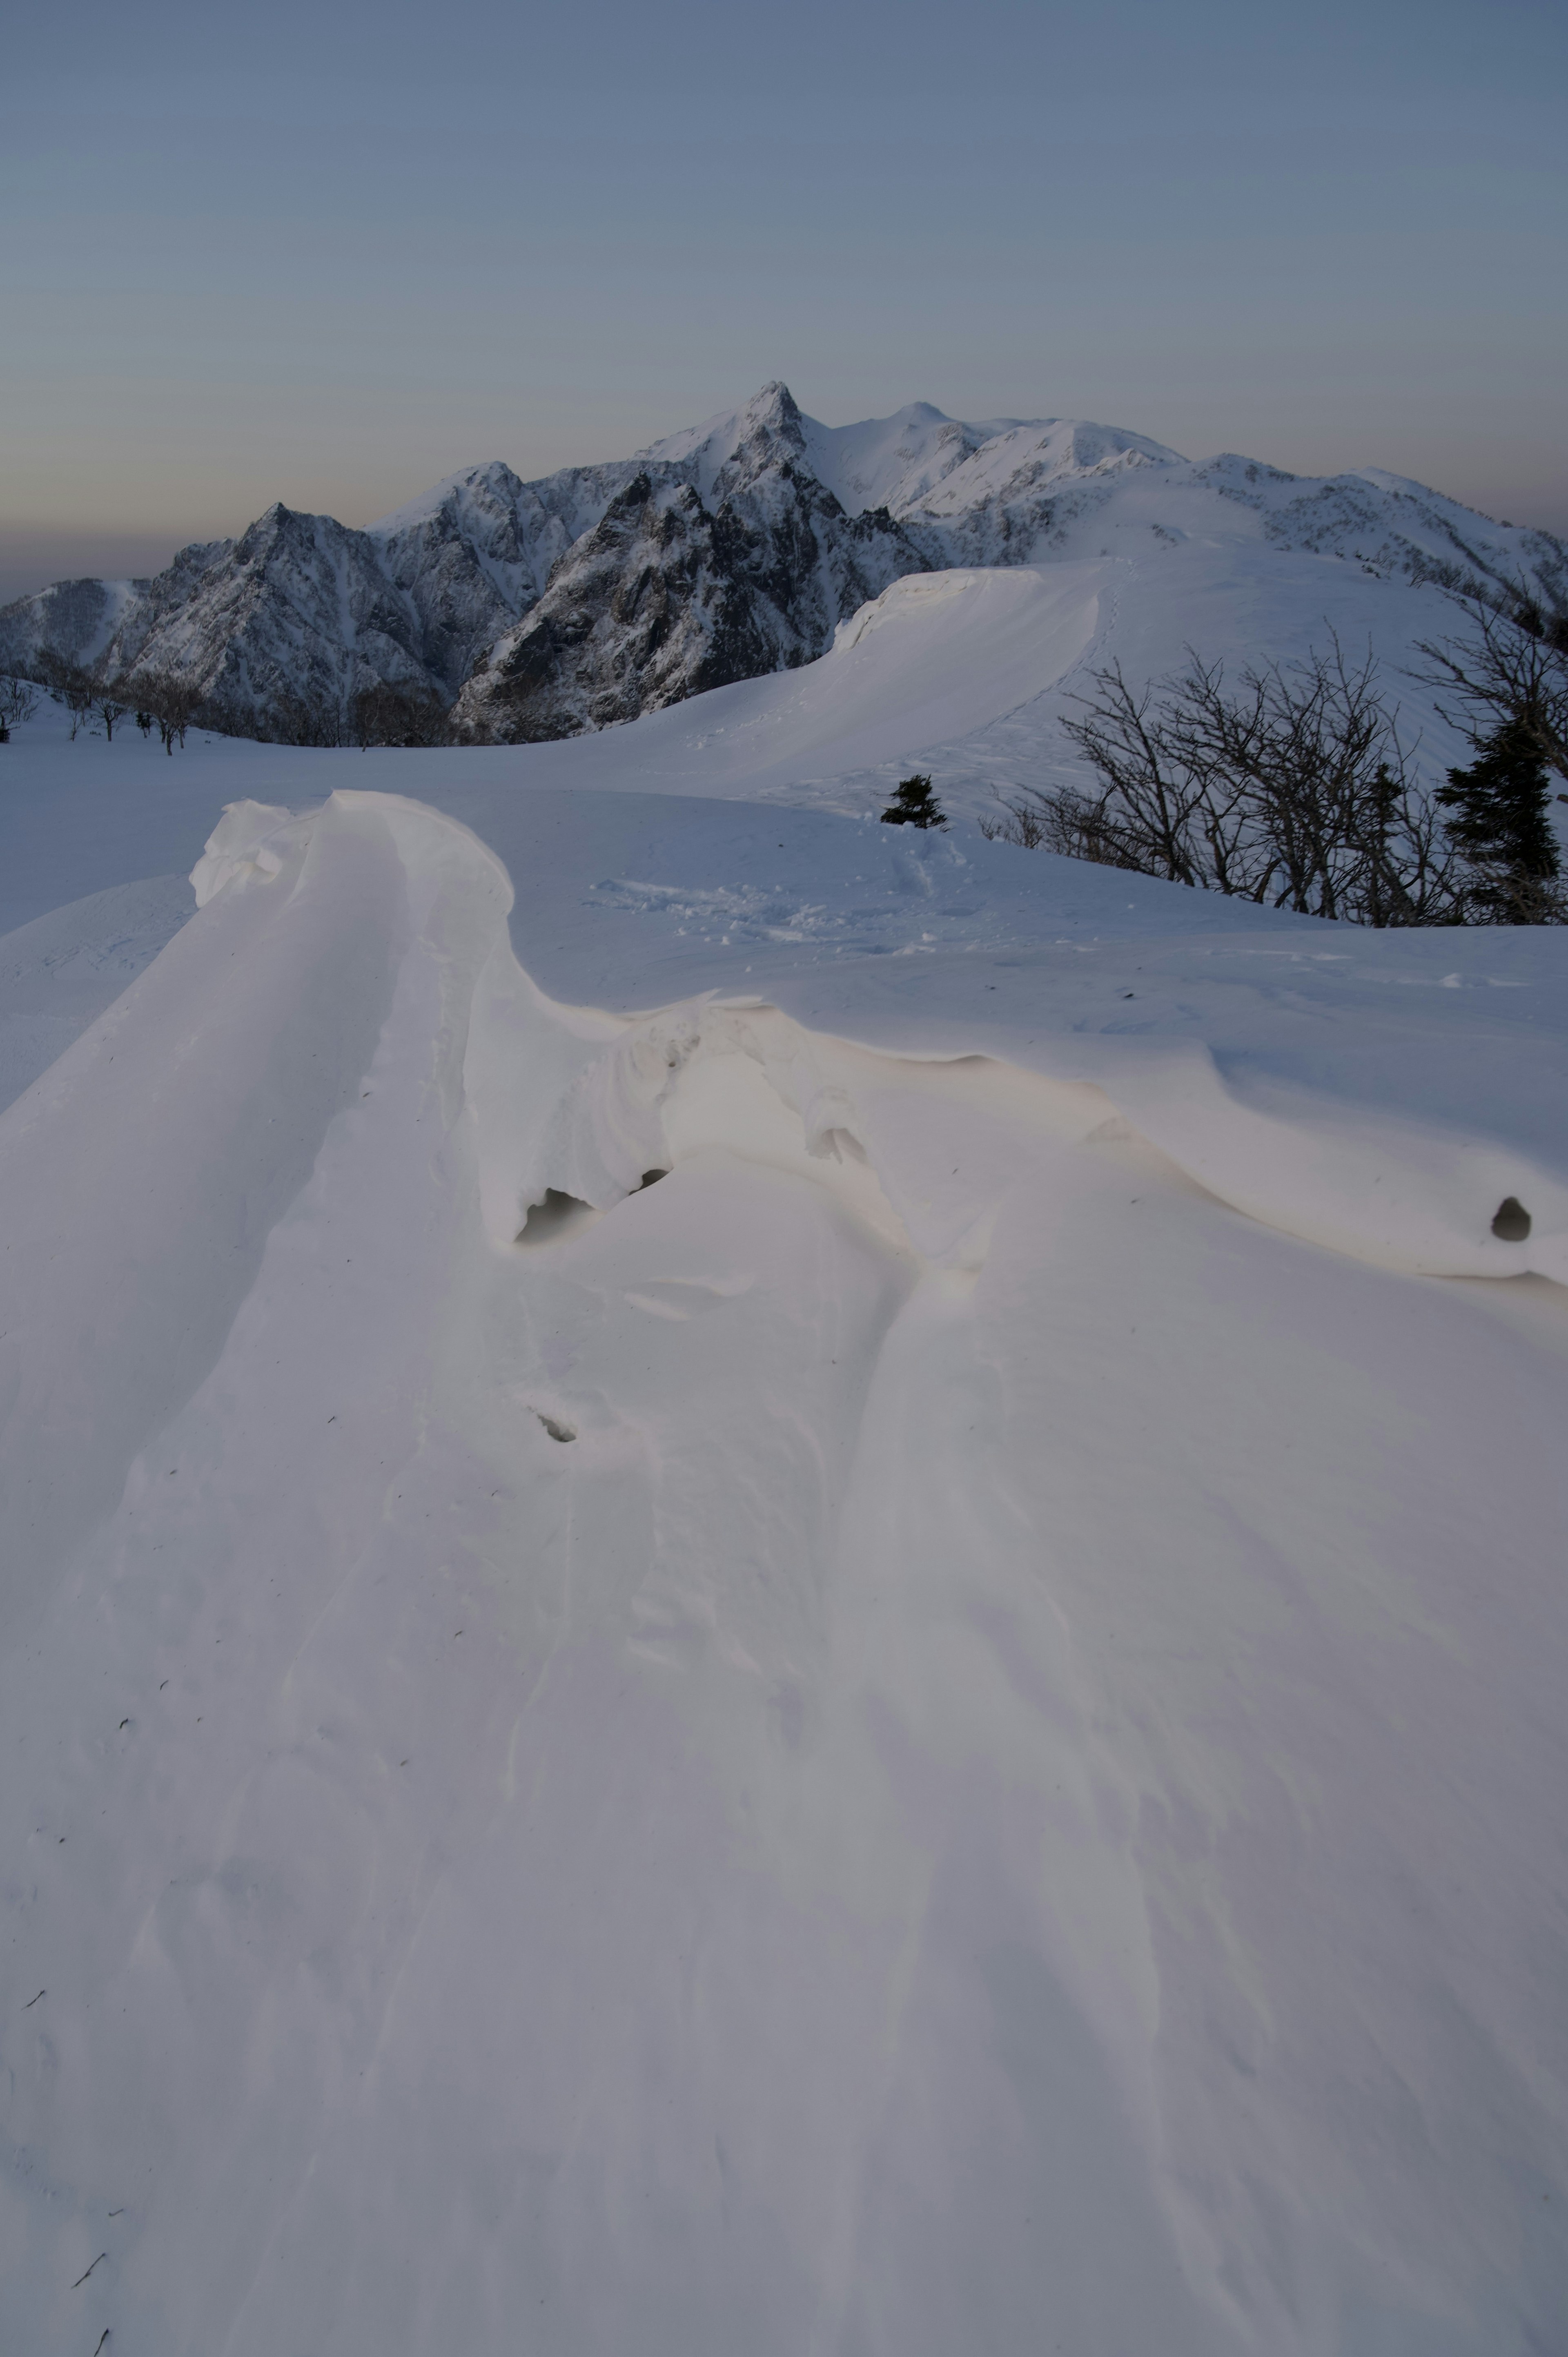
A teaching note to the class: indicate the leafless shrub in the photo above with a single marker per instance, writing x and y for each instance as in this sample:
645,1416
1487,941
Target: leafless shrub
1499,892
1021,822
1293,790
171,702
19,701
68,685
1509,664
293,719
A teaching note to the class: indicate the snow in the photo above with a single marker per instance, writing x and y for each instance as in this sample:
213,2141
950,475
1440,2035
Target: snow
940,1731
893,462
1036,457
901,462
288,625
60,973
478,483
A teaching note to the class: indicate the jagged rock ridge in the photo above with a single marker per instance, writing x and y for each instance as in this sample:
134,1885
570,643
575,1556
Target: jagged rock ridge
698,574
535,610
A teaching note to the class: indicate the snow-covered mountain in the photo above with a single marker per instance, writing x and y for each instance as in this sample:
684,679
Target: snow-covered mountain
720,561
280,628
942,1732
723,552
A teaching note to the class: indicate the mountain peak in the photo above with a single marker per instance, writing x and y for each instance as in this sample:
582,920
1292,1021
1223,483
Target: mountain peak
770,416
284,628
773,404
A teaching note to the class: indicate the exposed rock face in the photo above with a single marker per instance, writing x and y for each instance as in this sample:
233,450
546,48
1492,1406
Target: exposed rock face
477,552
672,592
280,626
639,615
530,611
278,631
72,621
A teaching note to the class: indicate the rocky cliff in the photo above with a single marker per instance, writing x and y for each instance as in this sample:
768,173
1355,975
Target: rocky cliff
499,611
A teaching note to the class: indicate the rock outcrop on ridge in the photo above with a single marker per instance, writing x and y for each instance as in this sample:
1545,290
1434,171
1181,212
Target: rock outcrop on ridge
673,591
511,612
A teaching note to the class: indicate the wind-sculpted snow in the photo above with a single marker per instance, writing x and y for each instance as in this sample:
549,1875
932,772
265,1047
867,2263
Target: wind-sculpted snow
59,972
914,1735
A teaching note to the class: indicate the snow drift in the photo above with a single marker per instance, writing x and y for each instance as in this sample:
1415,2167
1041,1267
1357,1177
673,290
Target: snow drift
677,1681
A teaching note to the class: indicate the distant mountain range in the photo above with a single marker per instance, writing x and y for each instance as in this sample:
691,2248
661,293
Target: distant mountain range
494,610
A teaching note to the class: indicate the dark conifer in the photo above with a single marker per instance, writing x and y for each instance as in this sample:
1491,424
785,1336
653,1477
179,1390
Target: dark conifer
914,804
1501,828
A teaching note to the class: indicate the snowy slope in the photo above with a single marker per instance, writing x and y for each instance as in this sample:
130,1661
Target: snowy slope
893,462
963,673
881,462
60,971
76,620
723,552
941,1728
939,1731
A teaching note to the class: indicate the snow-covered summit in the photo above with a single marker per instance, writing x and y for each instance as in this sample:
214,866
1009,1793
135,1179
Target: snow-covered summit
903,462
918,462
892,462
732,548
770,427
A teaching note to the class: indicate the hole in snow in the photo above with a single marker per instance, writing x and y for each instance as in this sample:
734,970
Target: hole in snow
1511,1221
553,1218
649,1178
556,1431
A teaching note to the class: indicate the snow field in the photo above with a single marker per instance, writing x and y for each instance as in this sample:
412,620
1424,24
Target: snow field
918,1736
939,1730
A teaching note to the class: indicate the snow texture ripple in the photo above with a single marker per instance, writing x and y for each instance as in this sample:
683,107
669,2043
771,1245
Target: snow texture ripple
939,1729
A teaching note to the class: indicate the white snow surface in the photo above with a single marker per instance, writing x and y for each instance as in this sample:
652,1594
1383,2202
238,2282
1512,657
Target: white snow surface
940,1732
301,614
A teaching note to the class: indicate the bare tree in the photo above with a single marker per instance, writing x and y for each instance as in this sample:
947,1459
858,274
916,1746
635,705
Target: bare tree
18,702
1293,790
68,685
1150,813
171,701
1021,822
1508,666
107,710
296,719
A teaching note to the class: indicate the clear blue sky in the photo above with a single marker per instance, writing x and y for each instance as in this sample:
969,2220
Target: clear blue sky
328,253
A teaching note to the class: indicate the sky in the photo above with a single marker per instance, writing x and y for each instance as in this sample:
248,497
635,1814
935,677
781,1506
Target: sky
330,253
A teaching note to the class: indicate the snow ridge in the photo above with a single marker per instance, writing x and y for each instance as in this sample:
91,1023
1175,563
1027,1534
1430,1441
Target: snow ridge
916,1723
734,548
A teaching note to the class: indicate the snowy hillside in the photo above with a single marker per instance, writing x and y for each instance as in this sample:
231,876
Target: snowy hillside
536,610
938,1729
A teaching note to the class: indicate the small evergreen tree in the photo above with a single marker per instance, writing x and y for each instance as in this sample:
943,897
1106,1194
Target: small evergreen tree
914,804
1502,830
